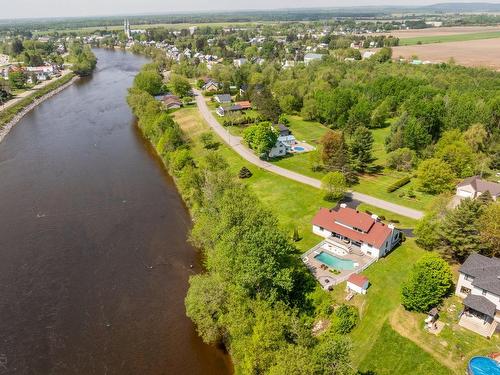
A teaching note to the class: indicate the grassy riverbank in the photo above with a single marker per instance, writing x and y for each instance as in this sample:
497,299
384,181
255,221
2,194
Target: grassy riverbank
8,114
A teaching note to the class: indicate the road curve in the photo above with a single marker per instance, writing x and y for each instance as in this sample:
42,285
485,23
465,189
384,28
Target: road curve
236,144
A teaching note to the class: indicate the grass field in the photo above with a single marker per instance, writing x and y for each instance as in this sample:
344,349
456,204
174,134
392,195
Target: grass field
448,38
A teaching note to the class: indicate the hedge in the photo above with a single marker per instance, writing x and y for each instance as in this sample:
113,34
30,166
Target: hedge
399,183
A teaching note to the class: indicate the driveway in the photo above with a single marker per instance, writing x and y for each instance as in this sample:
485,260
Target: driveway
238,146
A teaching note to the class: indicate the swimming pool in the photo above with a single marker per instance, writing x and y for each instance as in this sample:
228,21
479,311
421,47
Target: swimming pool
483,366
298,148
334,262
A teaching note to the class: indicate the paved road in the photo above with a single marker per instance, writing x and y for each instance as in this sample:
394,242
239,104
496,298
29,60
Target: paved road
237,145
27,93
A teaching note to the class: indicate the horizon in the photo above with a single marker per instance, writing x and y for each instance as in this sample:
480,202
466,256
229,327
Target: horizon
130,8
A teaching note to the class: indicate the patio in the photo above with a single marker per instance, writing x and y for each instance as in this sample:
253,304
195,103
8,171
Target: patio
343,252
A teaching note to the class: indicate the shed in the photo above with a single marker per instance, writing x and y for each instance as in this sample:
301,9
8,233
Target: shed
358,283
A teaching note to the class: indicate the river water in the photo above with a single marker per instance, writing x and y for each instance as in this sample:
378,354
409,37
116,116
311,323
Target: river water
94,261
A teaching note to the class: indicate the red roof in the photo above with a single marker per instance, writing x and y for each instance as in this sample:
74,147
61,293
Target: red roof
376,234
358,280
244,104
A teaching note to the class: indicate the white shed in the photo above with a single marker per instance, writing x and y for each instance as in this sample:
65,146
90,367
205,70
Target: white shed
358,283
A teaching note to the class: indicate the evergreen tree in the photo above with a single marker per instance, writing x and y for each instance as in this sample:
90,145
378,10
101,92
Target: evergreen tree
361,148
460,230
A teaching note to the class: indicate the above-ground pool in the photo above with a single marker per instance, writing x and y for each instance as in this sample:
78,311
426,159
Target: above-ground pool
298,148
334,262
483,366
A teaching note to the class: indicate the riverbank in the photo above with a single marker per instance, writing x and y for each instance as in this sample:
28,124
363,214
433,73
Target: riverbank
13,114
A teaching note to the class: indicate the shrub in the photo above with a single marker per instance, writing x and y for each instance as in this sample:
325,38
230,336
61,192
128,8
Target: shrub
244,173
345,319
398,184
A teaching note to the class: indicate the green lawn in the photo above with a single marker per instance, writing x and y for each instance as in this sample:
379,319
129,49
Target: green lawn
449,38
308,131
393,354
292,202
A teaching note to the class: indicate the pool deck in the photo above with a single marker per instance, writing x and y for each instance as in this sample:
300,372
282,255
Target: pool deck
322,272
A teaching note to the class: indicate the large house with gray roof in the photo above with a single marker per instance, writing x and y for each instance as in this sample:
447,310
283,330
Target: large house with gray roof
479,286
474,186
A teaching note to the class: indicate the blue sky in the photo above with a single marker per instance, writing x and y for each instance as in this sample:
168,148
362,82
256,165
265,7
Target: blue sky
61,8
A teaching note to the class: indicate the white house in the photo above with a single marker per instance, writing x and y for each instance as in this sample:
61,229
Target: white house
357,283
350,228
239,62
474,186
309,57
283,145
479,286
367,55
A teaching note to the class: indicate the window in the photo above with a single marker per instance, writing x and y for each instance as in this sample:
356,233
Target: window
484,292
464,290
321,229
468,278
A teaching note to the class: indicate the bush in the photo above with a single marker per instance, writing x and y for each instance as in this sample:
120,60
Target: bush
345,319
244,173
398,184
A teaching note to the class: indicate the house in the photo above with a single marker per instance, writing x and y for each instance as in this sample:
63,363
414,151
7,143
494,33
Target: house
245,89
474,186
351,228
236,107
222,98
42,73
239,62
357,283
171,102
309,57
283,130
210,85
283,145
367,55
479,286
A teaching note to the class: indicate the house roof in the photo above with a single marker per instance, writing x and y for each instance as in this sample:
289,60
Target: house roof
481,185
224,98
358,280
481,304
244,104
172,101
485,270
376,234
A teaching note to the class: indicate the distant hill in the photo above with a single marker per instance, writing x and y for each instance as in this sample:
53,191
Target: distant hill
461,7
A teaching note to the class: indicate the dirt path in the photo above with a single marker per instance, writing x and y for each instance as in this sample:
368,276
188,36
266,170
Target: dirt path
236,144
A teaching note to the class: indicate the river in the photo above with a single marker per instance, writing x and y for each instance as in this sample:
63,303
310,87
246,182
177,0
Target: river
94,261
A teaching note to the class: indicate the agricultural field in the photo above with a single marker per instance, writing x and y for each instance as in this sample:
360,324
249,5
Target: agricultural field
449,38
472,53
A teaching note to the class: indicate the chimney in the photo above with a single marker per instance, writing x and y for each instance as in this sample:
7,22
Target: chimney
391,226
374,217
343,205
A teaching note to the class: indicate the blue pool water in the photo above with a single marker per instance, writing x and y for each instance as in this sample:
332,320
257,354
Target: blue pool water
334,262
483,366
298,148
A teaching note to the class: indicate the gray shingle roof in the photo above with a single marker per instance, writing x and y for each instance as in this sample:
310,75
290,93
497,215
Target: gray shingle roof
481,304
486,272
481,185
224,98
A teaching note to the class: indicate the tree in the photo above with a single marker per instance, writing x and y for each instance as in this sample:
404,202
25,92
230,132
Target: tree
149,81
261,138
180,85
415,135
435,176
334,186
360,148
334,151
81,58
489,228
208,141
460,231
476,137
17,79
267,105
380,114
402,159
16,47
383,55
429,282
427,232
459,155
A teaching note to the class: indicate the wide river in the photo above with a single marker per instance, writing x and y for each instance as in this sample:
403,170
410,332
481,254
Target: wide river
94,262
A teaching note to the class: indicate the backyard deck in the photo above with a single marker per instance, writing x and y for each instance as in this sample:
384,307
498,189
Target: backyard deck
343,252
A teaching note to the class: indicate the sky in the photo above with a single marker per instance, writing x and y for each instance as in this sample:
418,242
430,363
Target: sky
80,8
